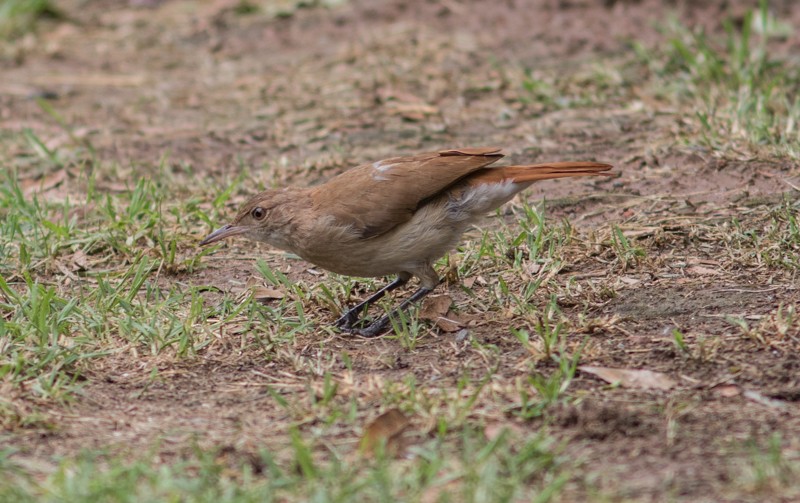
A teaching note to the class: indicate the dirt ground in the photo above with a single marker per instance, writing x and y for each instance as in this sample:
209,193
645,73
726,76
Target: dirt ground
302,96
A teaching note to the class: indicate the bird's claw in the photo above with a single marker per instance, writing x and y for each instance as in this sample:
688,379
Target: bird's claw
348,323
370,331
374,329
346,320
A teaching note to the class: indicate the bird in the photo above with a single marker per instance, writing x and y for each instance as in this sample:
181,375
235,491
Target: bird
395,216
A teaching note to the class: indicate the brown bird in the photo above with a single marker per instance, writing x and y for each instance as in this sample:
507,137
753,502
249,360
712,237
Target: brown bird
396,216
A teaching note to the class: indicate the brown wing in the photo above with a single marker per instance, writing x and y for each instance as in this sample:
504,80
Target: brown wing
374,198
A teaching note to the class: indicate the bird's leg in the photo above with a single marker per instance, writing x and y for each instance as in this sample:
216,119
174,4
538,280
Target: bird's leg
378,326
347,319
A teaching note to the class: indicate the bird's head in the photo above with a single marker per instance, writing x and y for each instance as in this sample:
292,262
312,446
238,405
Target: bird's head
259,219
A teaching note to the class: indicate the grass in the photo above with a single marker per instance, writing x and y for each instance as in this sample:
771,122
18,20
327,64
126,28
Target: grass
745,99
543,91
106,295
497,470
38,350
18,17
769,470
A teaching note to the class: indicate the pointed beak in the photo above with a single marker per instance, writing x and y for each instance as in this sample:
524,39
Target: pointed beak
222,233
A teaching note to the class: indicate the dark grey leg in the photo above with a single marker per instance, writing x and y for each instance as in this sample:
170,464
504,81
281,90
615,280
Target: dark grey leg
379,326
350,317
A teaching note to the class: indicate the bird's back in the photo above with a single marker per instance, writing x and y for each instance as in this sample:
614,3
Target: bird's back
374,198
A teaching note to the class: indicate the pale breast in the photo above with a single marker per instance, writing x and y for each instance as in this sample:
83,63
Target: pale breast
428,235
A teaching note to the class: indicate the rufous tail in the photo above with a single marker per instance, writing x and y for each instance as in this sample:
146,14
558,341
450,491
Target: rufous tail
534,172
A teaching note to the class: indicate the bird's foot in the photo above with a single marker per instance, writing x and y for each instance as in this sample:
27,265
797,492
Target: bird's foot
374,329
347,320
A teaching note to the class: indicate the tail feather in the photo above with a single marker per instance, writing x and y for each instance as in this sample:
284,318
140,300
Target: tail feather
535,172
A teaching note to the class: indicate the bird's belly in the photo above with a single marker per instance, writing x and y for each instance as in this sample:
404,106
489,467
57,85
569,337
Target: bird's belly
427,236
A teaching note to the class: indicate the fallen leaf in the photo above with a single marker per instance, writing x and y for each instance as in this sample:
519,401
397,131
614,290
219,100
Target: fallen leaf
644,379
702,271
263,293
437,310
413,111
388,428
44,183
447,324
407,105
435,307
80,261
727,390
640,232
460,319
532,268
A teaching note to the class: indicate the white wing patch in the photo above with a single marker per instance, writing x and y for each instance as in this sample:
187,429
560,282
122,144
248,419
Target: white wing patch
380,168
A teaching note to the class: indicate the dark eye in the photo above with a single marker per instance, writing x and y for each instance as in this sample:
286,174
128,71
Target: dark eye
258,213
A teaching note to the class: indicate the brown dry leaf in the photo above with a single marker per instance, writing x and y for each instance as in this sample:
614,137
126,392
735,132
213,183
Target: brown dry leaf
435,307
263,293
727,390
468,282
532,268
80,262
644,379
414,111
388,428
448,324
641,232
405,104
456,321
702,271
45,183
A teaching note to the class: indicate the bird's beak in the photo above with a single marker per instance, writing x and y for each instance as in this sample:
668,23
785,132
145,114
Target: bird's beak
222,233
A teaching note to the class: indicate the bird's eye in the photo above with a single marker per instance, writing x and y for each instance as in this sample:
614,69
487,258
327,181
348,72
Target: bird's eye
258,213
